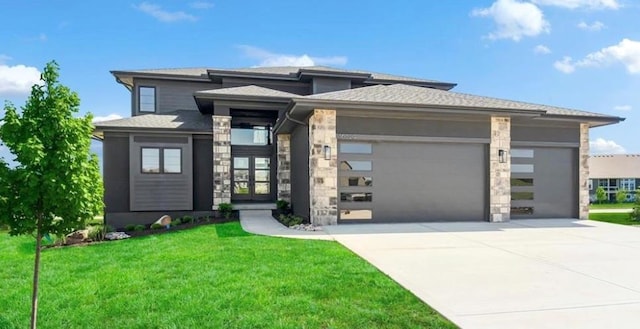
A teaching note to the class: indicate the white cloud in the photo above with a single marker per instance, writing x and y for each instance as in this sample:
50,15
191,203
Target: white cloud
623,107
201,5
109,117
595,26
163,15
542,49
574,4
627,52
17,79
603,146
268,58
514,19
565,65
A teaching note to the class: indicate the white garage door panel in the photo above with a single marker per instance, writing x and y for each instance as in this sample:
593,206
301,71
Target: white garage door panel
414,182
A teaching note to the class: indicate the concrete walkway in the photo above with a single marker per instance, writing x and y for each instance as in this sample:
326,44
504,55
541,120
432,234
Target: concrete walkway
262,223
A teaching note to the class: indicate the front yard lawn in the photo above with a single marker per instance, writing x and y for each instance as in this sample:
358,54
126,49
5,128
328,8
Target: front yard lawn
213,276
616,218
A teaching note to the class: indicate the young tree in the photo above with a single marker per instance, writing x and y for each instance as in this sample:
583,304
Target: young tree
601,195
621,196
55,185
635,213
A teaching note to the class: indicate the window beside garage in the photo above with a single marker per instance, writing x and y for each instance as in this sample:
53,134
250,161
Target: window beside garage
355,181
522,182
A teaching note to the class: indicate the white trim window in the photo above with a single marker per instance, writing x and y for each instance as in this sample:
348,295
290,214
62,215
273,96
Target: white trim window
627,184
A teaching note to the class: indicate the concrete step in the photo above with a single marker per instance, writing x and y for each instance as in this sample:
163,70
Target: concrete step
254,206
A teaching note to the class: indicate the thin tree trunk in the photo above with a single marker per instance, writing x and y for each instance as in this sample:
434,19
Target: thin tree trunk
36,274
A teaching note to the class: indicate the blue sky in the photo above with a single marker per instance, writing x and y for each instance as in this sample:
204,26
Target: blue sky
582,54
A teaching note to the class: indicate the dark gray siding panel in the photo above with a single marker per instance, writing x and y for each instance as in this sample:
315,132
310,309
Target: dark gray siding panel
325,85
298,88
523,133
413,127
161,191
300,171
418,182
202,173
116,172
172,95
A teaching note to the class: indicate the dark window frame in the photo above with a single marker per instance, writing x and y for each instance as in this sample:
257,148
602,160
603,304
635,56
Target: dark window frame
161,169
155,99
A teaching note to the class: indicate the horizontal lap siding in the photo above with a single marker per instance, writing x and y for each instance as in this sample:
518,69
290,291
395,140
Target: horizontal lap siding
161,191
173,95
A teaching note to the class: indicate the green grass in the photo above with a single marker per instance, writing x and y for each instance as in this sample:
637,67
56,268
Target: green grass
215,276
611,206
616,218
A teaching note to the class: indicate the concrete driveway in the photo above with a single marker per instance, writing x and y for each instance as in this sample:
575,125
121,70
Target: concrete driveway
556,273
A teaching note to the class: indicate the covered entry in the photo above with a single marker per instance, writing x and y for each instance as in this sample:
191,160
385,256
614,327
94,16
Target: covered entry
380,181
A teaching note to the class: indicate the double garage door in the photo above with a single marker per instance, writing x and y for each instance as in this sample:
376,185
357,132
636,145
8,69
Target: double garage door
418,182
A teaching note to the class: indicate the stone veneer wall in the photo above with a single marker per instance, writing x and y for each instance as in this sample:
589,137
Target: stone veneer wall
284,167
323,174
583,172
500,173
221,160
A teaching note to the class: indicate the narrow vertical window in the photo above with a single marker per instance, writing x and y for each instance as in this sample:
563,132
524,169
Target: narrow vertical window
172,161
147,99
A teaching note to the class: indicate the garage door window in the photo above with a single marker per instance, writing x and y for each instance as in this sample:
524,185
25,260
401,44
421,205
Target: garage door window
355,148
355,214
356,181
355,165
356,197
522,184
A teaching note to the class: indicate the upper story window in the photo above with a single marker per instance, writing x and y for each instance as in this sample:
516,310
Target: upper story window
146,99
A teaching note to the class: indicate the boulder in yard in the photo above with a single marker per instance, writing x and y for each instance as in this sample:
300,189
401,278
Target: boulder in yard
116,236
164,220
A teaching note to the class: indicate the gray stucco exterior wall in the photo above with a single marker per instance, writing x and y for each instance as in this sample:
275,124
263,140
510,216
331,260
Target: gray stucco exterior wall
115,150
300,171
202,172
170,95
413,127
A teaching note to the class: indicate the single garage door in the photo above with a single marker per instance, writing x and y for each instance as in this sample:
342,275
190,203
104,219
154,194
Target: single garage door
544,182
412,182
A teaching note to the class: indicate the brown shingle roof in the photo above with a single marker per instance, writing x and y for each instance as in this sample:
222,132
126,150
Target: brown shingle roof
614,166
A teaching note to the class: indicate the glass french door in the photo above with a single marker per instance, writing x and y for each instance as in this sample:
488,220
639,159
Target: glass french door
251,178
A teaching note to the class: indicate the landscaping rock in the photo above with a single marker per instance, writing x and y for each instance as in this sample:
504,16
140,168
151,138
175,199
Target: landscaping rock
306,227
164,220
116,236
80,235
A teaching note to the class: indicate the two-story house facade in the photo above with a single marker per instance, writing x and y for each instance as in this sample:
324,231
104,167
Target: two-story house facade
342,146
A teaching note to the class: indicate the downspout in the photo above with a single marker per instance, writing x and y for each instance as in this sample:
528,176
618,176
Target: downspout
287,117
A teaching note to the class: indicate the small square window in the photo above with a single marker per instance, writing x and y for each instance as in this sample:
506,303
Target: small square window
150,160
147,99
172,161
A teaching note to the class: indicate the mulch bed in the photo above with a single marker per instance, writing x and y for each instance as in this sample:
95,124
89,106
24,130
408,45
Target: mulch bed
148,231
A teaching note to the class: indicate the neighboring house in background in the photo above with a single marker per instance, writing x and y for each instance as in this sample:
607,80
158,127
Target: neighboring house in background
613,173
342,146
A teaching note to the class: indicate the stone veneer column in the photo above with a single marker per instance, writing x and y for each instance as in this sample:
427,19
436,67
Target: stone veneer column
323,174
221,160
583,172
500,173
284,167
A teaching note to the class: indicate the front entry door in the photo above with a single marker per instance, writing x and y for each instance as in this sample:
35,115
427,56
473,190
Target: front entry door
251,178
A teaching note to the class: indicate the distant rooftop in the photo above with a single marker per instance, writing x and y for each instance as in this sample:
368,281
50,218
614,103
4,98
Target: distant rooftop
614,166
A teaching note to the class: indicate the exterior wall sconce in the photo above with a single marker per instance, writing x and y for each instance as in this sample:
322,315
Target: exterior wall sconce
327,152
502,156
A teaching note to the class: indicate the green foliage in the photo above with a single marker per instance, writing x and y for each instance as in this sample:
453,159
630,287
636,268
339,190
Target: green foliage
225,209
601,194
139,228
282,205
130,227
56,184
187,219
109,228
621,196
290,220
635,213
176,222
156,226
97,232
